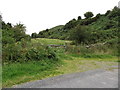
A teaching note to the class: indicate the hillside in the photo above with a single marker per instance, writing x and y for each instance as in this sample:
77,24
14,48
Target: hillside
102,28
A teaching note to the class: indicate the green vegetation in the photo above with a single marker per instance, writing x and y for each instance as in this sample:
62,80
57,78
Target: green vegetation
81,45
101,28
46,41
78,64
88,14
24,59
67,61
17,73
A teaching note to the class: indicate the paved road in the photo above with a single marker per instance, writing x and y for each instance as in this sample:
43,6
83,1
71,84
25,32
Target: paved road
90,79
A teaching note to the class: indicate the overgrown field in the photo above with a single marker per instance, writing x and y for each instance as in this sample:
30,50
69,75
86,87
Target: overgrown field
43,61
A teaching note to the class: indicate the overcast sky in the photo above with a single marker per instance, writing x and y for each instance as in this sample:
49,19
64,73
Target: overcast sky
39,15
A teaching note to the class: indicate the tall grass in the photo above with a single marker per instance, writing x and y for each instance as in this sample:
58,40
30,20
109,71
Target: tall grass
97,50
16,73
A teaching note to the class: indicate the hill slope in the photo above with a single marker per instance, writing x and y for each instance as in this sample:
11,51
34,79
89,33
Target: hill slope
103,28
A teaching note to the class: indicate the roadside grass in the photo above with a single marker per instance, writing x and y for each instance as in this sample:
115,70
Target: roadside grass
17,73
80,64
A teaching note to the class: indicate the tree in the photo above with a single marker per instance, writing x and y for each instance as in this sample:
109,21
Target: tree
19,31
107,13
34,35
47,30
88,15
70,24
114,13
79,17
80,34
98,15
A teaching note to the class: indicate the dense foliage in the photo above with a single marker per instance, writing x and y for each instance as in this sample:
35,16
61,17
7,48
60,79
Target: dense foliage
88,14
17,46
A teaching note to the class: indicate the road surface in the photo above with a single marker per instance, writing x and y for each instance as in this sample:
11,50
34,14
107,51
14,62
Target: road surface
90,79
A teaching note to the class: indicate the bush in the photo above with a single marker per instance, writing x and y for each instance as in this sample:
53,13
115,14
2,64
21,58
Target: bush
89,20
107,13
15,53
34,35
40,53
71,24
88,14
109,25
11,53
114,13
84,50
80,35
79,18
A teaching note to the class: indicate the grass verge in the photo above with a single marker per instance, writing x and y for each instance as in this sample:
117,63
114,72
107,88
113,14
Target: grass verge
17,73
78,64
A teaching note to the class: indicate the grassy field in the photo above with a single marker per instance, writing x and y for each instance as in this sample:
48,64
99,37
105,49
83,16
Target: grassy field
17,73
50,41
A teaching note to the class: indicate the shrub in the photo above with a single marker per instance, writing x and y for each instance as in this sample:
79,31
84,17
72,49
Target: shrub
114,13
89,20
16,53
107,13
88,14
79,18
34,35
80,35
109,25
11,53
71,24
40,53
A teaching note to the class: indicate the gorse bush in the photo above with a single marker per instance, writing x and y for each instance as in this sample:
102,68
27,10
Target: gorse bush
11,53
40,53
16,53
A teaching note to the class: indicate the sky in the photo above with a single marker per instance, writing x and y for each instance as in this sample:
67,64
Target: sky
38,15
